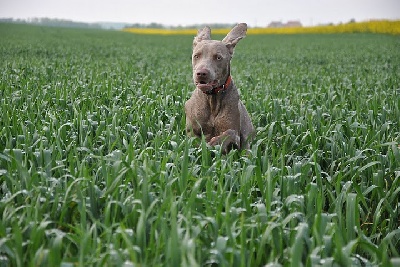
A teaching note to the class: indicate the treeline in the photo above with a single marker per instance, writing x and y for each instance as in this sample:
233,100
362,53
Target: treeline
193,26
53,22
108,25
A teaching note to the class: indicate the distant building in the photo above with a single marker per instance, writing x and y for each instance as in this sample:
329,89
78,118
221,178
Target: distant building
293,24
289,24
275,24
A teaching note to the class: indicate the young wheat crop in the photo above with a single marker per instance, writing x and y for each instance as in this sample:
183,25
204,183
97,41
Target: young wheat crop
96,170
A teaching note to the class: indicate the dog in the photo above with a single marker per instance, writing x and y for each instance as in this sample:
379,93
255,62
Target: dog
214,109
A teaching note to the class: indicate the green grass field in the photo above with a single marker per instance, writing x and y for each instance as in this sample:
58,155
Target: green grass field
96,170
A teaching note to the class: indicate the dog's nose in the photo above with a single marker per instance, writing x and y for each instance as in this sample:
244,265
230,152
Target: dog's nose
202,73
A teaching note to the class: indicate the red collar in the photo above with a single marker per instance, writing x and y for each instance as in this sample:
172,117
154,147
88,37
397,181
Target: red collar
220,88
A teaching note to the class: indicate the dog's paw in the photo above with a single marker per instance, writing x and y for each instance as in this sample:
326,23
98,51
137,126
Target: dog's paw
228,140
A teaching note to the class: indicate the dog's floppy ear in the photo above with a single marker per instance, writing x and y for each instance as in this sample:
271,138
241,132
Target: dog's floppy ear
202,34
235,35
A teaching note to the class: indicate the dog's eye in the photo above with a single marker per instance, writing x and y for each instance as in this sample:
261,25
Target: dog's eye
218,57
196,56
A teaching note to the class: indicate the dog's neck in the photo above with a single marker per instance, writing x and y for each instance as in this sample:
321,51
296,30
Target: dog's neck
221,88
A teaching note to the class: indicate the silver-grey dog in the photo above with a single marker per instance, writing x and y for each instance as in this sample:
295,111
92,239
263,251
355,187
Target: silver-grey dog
214,109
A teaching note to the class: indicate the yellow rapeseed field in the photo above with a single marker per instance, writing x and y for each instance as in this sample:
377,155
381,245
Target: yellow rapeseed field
376,26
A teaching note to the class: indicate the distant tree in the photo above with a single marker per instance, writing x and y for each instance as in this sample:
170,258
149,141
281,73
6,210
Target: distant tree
155,25
8,20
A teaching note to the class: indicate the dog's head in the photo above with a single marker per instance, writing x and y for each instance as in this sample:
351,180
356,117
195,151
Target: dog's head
211,58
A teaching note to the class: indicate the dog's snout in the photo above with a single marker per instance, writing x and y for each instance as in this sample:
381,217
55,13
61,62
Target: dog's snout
202,73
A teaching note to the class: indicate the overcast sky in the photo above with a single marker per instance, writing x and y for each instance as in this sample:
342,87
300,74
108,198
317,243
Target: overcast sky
187,12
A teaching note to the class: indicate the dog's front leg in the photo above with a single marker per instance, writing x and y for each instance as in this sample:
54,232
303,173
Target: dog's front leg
228,140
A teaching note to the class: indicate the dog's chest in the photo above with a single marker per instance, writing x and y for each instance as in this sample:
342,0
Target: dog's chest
206,118
211,116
